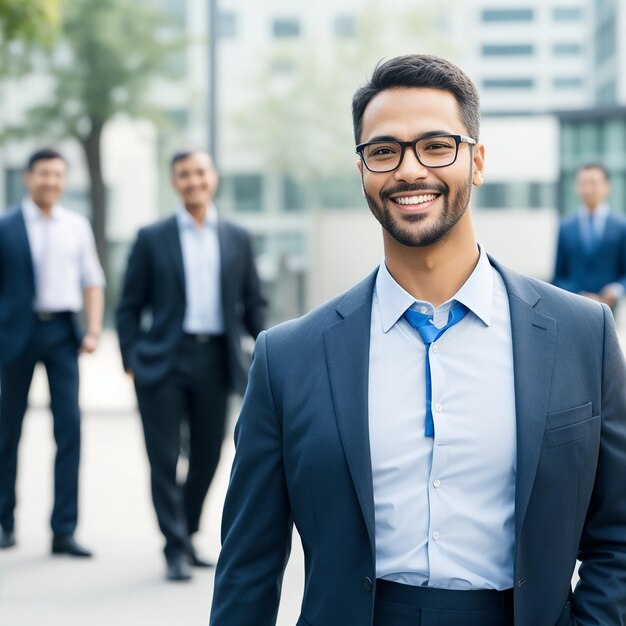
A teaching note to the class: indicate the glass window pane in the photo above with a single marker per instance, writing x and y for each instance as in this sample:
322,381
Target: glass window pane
286,27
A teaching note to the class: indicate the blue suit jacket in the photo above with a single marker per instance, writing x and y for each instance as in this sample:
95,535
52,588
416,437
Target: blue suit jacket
155,284
303,457
578,270
17,288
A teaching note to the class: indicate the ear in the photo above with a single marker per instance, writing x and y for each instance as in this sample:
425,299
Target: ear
478,168
359,166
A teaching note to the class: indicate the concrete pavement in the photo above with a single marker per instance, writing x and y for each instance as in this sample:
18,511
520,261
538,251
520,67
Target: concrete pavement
123,585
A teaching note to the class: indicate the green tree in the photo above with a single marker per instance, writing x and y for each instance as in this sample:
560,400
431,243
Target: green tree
28,20
107,56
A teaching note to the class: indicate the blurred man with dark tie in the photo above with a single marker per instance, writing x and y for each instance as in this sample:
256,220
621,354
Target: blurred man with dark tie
591,248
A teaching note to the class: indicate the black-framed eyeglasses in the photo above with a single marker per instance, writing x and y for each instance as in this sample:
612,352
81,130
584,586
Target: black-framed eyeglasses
431,151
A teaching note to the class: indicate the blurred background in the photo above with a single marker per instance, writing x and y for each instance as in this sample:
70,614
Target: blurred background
118,86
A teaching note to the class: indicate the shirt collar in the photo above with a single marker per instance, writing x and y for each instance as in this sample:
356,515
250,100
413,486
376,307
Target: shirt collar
185,221
601,211
476,293
33,212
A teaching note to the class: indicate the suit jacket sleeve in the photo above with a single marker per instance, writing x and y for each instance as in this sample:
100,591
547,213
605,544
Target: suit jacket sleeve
135,295
257,523
600,596
254,302
561,266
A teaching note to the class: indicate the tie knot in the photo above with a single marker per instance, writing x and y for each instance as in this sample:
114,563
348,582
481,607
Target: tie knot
424,325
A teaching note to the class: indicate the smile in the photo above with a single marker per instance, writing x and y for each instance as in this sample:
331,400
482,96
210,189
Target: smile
414,200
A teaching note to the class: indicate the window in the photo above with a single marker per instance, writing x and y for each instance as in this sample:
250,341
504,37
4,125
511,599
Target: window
567,82
492,50
515,195
508,83
567,14
294,194
285,27
605,41
13,186
345,26
567,49
227,25
248,192
507,15
341,192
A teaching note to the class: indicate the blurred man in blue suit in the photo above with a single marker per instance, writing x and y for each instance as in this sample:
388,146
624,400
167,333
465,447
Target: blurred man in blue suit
591,249
448,436
48,266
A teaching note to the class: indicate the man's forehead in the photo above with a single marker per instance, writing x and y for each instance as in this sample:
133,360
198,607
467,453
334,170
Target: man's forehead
411,111
195,159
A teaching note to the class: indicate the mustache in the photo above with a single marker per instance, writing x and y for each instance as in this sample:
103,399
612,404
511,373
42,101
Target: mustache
406,187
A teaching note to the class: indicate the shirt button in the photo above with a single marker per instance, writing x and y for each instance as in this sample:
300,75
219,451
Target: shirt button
436,536
436,484
435,348
423,309
438,407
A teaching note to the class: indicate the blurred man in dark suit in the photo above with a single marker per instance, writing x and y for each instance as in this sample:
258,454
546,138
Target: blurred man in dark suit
195,274
48,265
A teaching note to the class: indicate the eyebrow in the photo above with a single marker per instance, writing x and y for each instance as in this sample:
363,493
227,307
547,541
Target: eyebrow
430,133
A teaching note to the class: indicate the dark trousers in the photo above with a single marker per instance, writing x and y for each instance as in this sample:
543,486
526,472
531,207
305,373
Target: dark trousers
404,605
54,344
195,390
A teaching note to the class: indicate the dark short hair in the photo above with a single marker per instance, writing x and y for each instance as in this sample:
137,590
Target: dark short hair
44,154
420,70
594,166
181,155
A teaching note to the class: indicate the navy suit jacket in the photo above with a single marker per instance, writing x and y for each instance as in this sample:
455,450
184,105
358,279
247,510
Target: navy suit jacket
303,457
17,288
577,269
155,284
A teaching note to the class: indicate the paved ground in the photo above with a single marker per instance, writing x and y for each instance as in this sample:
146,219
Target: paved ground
123,585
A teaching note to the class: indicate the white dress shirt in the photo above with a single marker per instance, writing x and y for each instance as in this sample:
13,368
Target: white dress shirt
64,256
201,261
444,506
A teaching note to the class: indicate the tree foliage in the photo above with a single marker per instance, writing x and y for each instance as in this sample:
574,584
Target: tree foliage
29,20
103,63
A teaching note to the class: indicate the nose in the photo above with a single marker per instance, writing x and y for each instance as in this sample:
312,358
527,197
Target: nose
410,169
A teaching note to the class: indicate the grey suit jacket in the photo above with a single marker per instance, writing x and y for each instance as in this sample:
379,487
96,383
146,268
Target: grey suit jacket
303,457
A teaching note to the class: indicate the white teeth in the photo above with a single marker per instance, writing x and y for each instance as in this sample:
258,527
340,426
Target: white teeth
416,199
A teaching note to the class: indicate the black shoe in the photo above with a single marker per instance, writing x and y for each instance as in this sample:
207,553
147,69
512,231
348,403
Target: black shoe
7,539
68,545
178,568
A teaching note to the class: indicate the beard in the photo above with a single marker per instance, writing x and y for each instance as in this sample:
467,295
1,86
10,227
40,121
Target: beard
406,229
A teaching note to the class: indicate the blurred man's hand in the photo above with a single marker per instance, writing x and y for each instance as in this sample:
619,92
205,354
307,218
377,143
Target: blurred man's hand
609,297
90,343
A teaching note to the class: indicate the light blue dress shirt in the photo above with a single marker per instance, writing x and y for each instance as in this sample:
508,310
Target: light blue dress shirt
65,261
444,506
201,261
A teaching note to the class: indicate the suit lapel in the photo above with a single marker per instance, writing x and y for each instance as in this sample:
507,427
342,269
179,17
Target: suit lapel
173,245
227,249
347,355
21,238
534,341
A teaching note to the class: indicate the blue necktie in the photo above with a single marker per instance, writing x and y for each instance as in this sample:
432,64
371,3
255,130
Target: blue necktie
428,332
592,236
